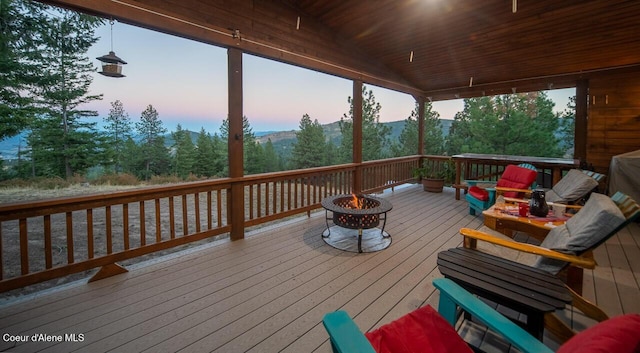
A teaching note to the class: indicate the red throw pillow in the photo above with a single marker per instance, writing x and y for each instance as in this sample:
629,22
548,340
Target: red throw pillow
620,334
518,178
479,193
422,330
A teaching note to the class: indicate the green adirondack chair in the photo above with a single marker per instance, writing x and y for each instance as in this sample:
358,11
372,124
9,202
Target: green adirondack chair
615,335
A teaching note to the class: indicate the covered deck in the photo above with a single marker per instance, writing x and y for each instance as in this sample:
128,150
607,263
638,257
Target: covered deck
269,291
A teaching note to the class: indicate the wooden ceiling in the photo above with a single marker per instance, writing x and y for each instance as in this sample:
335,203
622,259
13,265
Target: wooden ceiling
441,49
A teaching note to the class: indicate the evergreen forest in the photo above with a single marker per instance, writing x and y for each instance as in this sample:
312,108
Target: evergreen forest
46,75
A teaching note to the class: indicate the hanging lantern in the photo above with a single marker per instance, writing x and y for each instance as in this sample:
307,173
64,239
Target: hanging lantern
111,64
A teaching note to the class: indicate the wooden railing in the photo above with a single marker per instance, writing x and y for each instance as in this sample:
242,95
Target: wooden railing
43,240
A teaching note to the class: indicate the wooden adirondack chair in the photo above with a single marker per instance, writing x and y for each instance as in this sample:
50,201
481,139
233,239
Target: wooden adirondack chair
571,245
517,177
573,187
424,330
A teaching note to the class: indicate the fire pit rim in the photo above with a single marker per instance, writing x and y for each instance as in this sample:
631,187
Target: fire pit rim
383,205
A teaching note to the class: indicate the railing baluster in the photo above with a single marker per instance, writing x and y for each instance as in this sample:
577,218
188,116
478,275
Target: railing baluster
196,201
125,225
288,194
209,210
281,195
219,206
267,194
24,247
172,219
250,188
109,229
259,185
89,233
185,218
143,225
158,221
70,252
48,248
274,187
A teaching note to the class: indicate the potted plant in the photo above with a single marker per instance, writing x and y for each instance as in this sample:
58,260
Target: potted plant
432,178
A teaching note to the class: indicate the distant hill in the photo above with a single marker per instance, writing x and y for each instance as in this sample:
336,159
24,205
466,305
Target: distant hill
282,140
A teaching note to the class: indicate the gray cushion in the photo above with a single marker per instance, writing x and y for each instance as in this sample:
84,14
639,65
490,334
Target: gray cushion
573,186
596,220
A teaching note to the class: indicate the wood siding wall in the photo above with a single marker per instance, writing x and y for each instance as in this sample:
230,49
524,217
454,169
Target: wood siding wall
613,125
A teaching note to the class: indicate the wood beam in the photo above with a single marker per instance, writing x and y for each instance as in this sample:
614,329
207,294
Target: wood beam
235,142
580,132
357,134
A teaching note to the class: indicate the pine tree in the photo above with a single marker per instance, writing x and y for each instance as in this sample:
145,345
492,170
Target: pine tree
271,158
375,136
220,162
64,86
308,150
205,155
20,45
566,129
118,130
254,158
516,124
184,153
156,156
408,141
135,162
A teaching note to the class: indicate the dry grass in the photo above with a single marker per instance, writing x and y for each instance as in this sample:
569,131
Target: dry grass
24,194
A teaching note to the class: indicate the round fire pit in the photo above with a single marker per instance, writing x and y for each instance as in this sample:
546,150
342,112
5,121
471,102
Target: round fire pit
356,217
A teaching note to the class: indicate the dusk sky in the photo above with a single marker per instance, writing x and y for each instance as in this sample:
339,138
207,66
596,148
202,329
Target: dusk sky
186,82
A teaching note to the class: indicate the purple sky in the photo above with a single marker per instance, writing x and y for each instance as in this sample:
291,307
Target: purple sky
186,82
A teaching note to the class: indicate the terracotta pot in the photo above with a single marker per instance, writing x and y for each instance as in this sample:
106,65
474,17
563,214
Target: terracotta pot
432,185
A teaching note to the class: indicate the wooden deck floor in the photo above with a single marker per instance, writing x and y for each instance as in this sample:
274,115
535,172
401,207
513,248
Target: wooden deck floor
268,292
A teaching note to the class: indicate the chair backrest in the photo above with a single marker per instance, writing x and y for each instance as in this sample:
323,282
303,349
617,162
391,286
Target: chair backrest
593,225
574,186
629,208
521,176
596,176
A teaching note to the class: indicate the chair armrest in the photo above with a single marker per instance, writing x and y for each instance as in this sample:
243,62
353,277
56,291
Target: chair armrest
452,295
576,207
502,189
528,248
345,335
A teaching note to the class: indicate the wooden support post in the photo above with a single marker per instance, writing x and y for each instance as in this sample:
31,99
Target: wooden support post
357,135
421,109
580,132
235,143
458,181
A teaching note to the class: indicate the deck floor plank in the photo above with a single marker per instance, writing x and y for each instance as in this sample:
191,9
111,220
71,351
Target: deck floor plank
269,291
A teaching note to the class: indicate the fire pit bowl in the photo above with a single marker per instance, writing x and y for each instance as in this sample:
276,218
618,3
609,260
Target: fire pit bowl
356,212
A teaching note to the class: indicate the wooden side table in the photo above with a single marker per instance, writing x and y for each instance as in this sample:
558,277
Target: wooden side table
524,289
507,224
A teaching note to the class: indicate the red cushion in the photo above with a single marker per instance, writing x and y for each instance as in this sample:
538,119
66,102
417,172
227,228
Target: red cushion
516,177
422,330
479,193
620,334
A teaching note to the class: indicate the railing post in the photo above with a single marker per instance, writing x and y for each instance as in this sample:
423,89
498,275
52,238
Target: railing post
421,109
235,143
